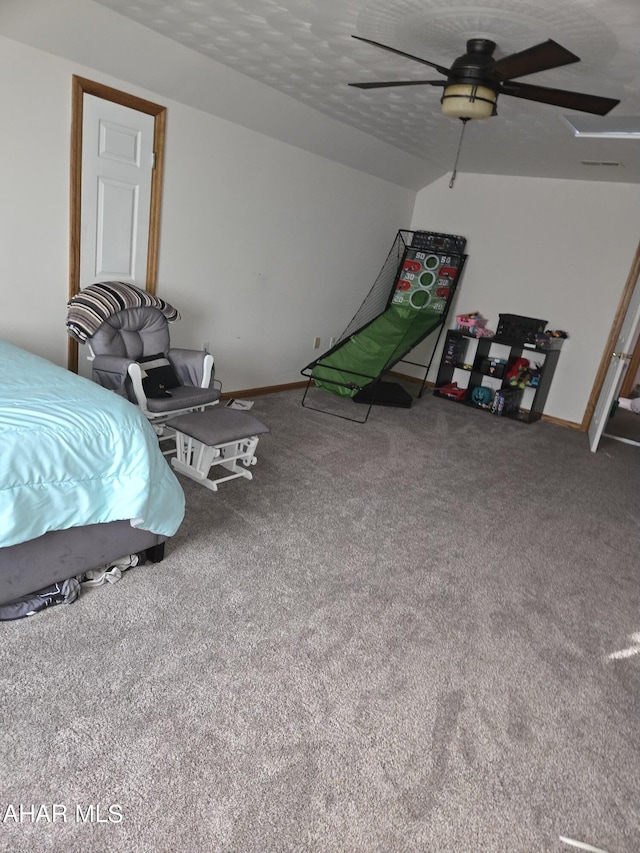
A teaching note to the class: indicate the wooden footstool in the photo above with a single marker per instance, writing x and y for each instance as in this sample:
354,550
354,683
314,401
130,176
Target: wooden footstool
216,436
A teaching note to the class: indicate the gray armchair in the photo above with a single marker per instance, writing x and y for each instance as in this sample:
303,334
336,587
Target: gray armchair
121,348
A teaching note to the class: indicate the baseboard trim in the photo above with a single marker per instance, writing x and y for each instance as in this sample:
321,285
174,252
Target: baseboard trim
560,422
407,378
267,389
293,386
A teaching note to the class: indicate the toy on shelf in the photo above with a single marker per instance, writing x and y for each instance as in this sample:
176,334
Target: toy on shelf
452,390
506,401
470,324
455,350
519,373
493,366
482,396
481,332
551,340
535,375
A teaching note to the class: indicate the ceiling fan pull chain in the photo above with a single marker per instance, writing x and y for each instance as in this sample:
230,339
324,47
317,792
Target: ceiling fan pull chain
455,165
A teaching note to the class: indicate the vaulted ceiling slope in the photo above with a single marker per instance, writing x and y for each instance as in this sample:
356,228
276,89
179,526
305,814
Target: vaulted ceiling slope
282,67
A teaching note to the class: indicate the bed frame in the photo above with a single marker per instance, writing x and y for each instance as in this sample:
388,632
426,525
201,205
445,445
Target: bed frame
60,554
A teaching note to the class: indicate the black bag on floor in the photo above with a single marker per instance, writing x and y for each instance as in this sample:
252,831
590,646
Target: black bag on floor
63,592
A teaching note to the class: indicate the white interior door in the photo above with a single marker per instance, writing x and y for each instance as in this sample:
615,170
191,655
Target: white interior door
117,170
117,167
620,358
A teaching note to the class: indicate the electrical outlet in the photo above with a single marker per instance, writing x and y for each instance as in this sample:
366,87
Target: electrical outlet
316,343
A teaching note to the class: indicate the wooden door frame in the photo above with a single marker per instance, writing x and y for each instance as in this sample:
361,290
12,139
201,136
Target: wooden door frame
80,87
623,307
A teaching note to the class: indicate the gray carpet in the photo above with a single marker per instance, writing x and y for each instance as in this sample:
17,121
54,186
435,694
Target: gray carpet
396,638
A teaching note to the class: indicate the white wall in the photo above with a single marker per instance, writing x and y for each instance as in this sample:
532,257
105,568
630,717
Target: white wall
34,199
555,250
277,246
263,246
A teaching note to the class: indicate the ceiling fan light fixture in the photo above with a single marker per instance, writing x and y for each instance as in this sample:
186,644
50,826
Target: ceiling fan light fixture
468,101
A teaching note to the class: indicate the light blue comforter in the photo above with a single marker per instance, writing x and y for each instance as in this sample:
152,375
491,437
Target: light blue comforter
73,453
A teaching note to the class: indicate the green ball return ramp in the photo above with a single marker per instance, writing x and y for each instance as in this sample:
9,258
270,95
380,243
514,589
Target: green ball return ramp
409,301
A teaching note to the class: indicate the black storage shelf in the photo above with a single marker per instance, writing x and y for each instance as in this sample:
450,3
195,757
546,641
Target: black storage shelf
458,342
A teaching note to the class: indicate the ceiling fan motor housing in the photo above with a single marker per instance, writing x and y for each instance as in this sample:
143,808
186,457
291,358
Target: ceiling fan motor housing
471,92
470,67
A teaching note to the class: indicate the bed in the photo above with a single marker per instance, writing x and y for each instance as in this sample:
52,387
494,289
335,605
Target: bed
82,479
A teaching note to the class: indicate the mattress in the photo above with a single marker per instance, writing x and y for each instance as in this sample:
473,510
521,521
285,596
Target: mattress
73,454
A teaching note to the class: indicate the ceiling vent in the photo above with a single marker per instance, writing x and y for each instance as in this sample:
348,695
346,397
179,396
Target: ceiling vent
601,163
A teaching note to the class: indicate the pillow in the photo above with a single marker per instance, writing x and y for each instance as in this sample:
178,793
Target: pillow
158,376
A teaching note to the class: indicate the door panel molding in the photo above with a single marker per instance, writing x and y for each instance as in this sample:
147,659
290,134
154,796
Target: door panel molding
80,87
116,202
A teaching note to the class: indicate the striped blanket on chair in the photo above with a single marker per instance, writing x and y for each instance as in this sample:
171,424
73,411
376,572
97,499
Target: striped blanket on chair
88,309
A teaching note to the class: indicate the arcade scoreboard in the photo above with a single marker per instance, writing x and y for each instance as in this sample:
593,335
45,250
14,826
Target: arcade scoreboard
429,271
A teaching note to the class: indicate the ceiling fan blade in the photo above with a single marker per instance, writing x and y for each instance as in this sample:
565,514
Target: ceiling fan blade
398,83
560,98
540,57
439,68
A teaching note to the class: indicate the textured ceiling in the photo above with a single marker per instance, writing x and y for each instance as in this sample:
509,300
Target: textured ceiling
304,49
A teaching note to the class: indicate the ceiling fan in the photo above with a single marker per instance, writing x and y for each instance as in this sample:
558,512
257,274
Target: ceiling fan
475,79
